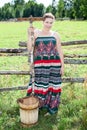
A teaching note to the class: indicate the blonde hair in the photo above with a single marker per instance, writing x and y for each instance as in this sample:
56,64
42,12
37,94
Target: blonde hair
48,15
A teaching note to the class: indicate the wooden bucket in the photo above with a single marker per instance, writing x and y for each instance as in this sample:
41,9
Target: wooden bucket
29,107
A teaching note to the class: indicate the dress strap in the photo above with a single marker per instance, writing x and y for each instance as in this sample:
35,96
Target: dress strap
52,33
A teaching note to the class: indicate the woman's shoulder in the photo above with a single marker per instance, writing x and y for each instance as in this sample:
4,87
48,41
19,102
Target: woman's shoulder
55,34
37,32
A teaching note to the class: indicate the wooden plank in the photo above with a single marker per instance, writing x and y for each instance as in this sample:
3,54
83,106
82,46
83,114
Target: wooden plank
26,54
13,54
73,80
64,80
13,88
75,61
66,61
14,72
30,19
12,50
80,42
75,55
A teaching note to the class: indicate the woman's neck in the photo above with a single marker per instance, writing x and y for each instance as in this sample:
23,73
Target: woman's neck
46,31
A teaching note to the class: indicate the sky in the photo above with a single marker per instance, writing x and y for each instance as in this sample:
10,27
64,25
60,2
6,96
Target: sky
45,2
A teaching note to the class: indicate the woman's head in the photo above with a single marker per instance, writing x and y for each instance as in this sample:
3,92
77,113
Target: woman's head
48,20
48,15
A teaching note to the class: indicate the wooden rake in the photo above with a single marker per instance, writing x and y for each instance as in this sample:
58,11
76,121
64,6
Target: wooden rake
31,102
30,57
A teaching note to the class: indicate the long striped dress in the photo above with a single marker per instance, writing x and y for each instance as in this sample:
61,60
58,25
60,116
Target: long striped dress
47,66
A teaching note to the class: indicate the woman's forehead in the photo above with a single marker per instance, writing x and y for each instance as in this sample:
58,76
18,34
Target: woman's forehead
49,19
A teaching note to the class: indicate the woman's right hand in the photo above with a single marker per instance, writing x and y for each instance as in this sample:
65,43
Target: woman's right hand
31,31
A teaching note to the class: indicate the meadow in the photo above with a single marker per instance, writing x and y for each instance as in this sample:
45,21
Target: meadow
72,114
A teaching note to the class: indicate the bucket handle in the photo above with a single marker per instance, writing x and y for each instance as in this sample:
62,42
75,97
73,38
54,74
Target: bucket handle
20,100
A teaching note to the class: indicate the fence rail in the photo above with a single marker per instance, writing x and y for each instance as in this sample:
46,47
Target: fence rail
23,52
79,42
64,80
12,50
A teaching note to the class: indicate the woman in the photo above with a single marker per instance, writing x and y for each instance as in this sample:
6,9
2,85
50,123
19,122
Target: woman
48,65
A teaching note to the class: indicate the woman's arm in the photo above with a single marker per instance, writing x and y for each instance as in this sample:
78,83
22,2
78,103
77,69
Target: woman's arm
59,48
32,35
31,39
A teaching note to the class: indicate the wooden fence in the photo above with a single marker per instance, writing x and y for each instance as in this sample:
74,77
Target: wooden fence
68,59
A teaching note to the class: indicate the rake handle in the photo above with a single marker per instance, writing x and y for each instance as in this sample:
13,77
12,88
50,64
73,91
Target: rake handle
31,55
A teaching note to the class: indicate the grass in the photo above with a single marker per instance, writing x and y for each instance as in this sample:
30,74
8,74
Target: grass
72,114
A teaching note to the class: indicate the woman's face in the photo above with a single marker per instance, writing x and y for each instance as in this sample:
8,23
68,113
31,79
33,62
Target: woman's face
48,22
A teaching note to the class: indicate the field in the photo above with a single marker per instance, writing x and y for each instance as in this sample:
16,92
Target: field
72,114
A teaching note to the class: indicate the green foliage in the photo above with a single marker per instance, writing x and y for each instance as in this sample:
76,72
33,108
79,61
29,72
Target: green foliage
61,11
73,9
6,11
18,2
80,8
21,9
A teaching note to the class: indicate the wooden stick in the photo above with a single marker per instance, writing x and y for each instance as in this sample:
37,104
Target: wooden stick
30,19
31,58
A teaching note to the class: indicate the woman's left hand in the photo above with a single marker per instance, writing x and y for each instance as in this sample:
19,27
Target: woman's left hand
62,71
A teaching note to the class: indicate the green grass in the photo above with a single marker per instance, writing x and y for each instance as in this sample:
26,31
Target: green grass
72,114
71,30
15,32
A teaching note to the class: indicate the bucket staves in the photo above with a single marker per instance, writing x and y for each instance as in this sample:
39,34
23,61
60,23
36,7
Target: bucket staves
28,110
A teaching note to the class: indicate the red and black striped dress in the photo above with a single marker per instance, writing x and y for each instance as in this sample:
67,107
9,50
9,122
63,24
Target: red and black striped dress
47,66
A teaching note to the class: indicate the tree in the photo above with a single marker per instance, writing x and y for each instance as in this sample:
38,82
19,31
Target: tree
52,8
18,2
18,11
29,9
61,9
7,11
69,10
53,3
49,9
0,14
83,8
80,9
39,10
34,9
